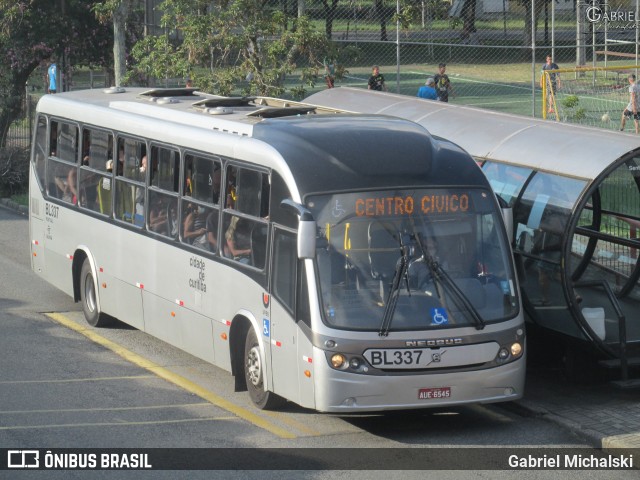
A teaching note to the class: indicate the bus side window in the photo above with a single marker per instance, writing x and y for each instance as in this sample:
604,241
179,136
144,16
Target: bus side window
95,170
284,269
40,150
165,169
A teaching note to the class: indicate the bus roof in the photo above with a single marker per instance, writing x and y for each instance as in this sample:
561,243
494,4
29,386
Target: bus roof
331,151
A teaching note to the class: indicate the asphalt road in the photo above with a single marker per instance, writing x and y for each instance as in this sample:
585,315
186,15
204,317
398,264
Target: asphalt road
64,384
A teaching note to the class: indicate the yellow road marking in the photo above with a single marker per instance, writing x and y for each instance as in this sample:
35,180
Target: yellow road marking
172,377
116,424
105,409
292,423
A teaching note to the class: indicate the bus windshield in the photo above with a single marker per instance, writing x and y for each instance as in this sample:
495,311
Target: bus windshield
413,259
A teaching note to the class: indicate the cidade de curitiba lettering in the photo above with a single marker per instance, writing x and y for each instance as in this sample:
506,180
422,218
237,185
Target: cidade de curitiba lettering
571,461
198,282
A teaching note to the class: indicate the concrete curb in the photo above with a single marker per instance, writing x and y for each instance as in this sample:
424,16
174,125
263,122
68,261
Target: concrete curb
598,440
11,205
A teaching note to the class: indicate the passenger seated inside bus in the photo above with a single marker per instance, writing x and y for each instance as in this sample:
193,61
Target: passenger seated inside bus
195,226
158,216
238,240
68,187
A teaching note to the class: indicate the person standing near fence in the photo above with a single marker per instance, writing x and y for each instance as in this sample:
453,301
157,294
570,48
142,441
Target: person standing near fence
428,91
634,104
376,80
443,84
554,82
52,73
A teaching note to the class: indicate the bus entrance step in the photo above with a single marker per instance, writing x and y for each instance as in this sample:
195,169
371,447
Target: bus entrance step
632,384
615,363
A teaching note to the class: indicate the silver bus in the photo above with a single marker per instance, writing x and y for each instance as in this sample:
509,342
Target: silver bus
344,262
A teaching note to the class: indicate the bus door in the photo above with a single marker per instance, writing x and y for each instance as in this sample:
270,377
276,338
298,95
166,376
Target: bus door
284,330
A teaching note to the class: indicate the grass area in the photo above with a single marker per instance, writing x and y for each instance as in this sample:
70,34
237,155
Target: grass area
21,199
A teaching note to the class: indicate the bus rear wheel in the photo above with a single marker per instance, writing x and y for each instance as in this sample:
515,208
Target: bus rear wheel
89,298
254,375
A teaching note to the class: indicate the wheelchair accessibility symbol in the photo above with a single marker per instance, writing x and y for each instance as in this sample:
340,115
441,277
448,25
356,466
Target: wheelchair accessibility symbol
439,316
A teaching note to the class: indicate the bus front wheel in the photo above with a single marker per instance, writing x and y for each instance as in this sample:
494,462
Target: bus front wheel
89,299
254,375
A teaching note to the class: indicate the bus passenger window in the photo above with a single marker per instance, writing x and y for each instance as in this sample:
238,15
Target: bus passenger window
130,154
97,148
251,192
165,169
202,178
66,141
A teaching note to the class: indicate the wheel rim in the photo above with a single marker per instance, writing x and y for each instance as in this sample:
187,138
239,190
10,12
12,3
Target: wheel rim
254,367
89,294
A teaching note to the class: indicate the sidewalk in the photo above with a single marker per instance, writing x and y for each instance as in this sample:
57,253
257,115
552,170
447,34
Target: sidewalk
8,203
605,416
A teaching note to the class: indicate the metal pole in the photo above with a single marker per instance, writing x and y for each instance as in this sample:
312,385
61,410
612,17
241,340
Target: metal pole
533,58
398,46
553,30
636,17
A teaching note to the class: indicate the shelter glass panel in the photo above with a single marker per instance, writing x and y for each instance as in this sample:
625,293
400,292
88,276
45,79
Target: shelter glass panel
506,180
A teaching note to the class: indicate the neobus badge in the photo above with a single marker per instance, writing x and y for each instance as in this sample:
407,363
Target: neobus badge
407,205
440,342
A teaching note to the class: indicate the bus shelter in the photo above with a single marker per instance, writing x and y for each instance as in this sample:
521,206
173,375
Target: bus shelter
575,194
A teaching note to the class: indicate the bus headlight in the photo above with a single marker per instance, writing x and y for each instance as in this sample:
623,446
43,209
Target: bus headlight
338,360
516,349
503,354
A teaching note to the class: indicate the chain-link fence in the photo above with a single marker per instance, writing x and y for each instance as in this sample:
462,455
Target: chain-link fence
491,58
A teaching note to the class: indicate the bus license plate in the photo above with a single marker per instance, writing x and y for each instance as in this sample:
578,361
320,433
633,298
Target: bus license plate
434,393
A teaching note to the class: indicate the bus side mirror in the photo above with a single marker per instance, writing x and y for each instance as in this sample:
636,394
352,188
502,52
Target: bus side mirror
307,228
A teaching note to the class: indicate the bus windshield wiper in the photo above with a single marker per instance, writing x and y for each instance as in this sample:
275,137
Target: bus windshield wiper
440,276
401,272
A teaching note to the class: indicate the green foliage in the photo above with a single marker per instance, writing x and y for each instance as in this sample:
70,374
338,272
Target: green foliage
34,32
234,45
580,114
571,101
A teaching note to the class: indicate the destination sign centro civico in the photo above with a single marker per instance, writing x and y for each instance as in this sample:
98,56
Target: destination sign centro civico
409,204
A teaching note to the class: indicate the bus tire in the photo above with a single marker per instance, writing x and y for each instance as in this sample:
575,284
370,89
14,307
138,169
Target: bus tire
88,296
254,375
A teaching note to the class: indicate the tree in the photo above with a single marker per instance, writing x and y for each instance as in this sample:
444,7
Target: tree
31,32
231,44
329,7
117,11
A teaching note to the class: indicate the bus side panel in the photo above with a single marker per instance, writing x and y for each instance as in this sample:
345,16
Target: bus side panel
197,335
284,354
58,248
37,226
129,306
160,322
306,361
107,290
